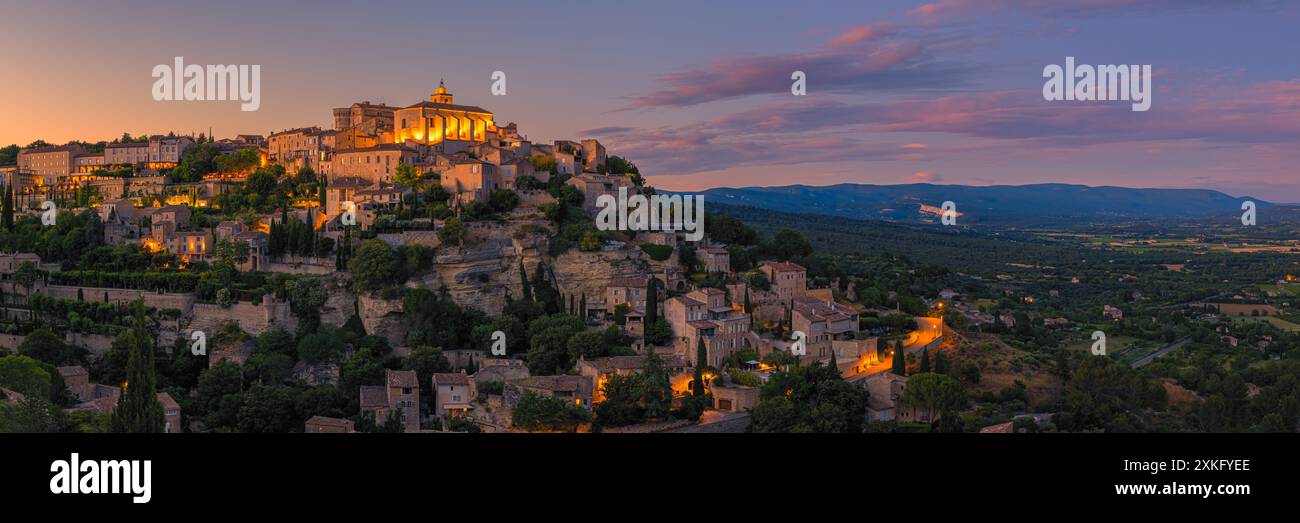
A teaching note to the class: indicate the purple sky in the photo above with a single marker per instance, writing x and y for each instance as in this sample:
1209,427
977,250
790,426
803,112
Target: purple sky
697,93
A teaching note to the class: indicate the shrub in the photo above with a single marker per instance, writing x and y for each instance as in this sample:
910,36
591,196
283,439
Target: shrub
657,252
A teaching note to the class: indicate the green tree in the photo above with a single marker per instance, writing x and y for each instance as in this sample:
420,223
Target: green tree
548,347
537,412
657,392
24,375
940,394
789,243
229,255
139,410
44,345
622,401
392,423
809,399
651,300
408,175
375,266
925,360
306,296
587,344
8,211
452,231
523,280
899,359
320,347
26,276
426,361
701,358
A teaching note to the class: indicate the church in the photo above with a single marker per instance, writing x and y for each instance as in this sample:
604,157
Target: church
441,121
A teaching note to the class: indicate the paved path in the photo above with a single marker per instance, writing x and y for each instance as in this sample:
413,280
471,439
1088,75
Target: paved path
717,422
928,330
1151,357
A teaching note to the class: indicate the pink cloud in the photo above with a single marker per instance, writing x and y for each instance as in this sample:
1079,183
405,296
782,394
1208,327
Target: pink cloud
862,58
862,33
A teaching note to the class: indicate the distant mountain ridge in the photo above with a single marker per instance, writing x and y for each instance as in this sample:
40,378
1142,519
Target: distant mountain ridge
984,204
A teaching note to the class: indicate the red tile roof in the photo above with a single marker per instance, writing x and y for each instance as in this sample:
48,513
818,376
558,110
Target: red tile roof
786,267
401,378
373,396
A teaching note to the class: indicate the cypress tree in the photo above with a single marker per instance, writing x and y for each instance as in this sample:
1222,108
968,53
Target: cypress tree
925,360
900,359
9,208
651,301
139,409
833,365
523,279
701,357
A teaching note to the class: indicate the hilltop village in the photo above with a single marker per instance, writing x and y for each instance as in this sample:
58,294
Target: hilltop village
417,268
425,269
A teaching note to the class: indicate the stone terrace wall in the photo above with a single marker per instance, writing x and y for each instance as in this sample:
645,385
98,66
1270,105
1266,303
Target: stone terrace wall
97,344
425,238
253,318
165,300
534,198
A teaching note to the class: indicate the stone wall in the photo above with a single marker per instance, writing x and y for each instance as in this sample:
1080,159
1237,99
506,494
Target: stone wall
161,300
425,238
253,318
97,344
300,268
534,198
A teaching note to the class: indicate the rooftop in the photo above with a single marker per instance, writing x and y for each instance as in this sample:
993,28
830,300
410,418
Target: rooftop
785,267
551,383
401,378
818,310
450,107
450,378
373,396
618,363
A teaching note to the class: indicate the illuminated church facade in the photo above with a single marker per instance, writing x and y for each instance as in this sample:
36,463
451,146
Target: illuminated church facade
440,121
